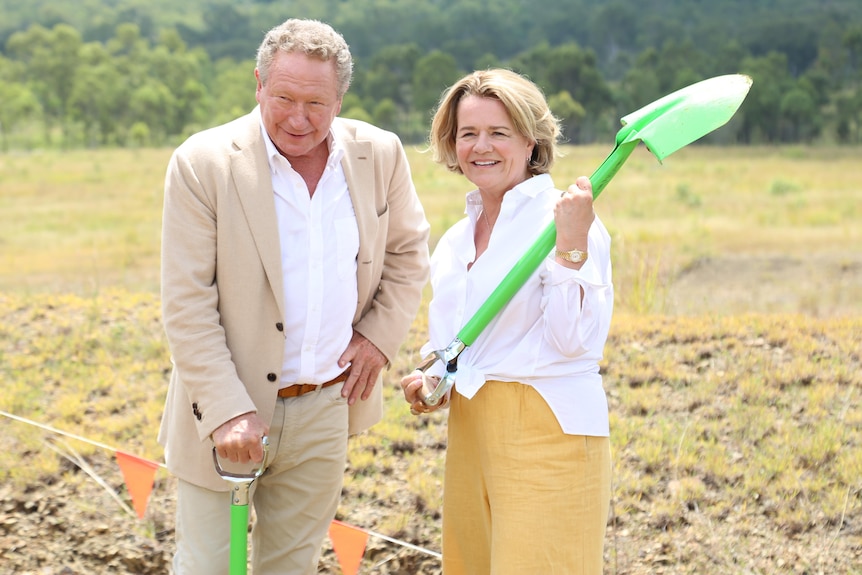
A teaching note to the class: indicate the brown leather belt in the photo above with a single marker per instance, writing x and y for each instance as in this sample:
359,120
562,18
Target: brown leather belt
303,388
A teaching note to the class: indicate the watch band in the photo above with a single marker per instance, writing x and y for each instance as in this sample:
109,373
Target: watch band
574,256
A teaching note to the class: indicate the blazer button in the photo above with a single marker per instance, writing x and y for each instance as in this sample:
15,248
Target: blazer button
279,326
271,376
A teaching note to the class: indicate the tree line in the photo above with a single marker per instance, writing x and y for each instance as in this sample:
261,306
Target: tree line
130,78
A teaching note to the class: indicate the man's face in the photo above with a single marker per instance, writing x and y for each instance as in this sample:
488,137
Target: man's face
299,102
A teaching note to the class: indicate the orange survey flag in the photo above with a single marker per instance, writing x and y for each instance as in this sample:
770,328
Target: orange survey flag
349,545
139,475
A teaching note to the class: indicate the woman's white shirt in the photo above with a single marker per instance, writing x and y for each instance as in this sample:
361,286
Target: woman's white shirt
545,336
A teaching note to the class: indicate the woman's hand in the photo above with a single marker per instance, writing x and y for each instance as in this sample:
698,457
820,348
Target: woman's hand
416,386
573,216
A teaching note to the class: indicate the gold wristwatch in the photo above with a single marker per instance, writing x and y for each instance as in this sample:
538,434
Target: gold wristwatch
574,256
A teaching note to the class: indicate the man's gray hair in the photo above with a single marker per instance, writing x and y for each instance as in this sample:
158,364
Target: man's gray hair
309,37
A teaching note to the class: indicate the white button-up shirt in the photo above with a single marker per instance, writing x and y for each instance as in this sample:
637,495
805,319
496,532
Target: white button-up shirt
319,246
544,337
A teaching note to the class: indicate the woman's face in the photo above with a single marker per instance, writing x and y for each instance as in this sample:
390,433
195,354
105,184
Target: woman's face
491,153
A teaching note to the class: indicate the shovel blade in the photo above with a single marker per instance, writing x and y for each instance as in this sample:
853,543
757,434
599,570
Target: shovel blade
680,118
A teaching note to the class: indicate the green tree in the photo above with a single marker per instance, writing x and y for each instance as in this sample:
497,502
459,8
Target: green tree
17,104
371,25
848,110
761,111
794,36
727,59
610,56
127,41
640,84
574,70
568,68
99,98
660,71
180,72
385,115
799,115
487,61
391,74
433,74
231,92
476,27
852,41
381,83
570,113
52,59
153,104
614,27
357,113
227,32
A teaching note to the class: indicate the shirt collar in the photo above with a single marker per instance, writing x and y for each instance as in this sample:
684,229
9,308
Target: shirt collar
529,188
336,150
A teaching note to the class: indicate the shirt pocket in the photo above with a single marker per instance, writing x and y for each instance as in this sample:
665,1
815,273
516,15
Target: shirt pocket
346,246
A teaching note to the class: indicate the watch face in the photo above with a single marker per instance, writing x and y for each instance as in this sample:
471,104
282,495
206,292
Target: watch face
574,256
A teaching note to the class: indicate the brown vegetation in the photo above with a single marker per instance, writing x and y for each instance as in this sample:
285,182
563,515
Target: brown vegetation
733,368
737,445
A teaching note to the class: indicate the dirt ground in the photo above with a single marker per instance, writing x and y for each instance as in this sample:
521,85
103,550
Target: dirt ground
820,285
73,526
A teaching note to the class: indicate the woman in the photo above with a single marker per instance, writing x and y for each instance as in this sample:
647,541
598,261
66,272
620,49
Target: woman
527,480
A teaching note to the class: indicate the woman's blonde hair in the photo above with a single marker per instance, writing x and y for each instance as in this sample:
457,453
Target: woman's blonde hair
523,100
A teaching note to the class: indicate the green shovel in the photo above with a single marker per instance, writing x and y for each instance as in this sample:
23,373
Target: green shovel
664,126
239,498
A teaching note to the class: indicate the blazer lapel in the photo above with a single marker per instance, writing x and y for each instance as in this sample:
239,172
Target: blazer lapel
358,168
253,184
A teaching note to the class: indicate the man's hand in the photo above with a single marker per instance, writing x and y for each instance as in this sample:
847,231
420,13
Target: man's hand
239,439
365,362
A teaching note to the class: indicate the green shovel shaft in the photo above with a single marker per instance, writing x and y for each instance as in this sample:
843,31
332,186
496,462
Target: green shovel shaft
540,249
238,540
664,126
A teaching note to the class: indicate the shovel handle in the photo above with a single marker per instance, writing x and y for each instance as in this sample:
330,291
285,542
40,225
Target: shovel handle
239,536
240,484
243,477
540,249
665,126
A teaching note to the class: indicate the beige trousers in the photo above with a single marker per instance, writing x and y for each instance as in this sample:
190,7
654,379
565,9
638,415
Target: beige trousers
294,500
520,496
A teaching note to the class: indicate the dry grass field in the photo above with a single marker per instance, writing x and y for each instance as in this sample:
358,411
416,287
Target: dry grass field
724,230
733,369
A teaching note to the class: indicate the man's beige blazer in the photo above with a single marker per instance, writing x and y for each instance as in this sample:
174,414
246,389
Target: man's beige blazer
222,293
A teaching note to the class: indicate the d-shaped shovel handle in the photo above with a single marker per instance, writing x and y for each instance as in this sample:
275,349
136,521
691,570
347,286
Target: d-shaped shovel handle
449,358
239,499
243,477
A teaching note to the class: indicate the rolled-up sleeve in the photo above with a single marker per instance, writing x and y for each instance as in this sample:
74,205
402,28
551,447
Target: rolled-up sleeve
575,325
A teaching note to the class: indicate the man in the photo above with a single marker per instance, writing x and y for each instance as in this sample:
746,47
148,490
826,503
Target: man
294,253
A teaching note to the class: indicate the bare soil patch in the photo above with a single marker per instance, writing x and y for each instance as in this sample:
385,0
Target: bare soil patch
821,285
66,524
